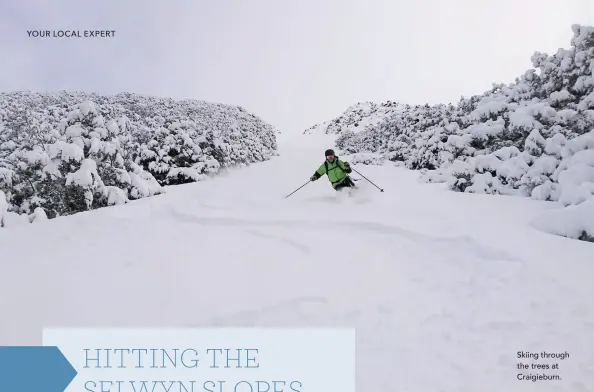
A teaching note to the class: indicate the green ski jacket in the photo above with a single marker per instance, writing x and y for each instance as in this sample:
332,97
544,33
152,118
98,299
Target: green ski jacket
336,170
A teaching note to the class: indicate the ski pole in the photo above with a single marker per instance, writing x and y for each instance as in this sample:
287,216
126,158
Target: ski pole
368,180
298,189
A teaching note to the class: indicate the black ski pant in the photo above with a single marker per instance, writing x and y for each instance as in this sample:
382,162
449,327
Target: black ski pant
347,183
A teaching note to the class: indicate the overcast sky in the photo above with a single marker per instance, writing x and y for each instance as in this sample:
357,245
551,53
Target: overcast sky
292,62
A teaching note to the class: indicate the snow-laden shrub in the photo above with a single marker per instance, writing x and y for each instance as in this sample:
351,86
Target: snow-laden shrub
3,208
533,137
364,159
71,152
356,118
38,215
573,222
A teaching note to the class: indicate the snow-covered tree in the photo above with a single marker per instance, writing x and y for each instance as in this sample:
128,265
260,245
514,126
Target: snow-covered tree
70,152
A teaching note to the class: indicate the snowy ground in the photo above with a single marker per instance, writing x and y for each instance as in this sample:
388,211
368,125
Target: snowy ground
444,288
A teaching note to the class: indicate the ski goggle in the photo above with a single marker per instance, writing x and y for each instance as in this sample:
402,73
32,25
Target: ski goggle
329,156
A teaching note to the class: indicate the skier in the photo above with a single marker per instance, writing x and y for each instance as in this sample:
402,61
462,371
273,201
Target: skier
336,170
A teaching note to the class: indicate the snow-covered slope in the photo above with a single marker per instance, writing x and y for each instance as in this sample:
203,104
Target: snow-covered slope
444,288
533,137
357,118
71,151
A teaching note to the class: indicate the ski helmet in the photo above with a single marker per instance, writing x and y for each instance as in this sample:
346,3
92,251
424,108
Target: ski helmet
329,152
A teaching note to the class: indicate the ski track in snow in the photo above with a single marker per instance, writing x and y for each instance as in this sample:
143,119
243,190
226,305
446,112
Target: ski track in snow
300,247
443,244
442,288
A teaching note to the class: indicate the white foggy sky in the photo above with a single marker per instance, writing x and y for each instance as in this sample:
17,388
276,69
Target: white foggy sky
293,63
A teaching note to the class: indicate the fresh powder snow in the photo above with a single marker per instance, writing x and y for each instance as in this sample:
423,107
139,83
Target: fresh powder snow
444,288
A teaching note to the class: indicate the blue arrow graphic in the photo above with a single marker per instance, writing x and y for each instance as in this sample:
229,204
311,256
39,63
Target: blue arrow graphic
34,369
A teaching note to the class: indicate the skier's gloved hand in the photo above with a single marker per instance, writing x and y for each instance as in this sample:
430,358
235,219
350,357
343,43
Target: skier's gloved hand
313,178
347,167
